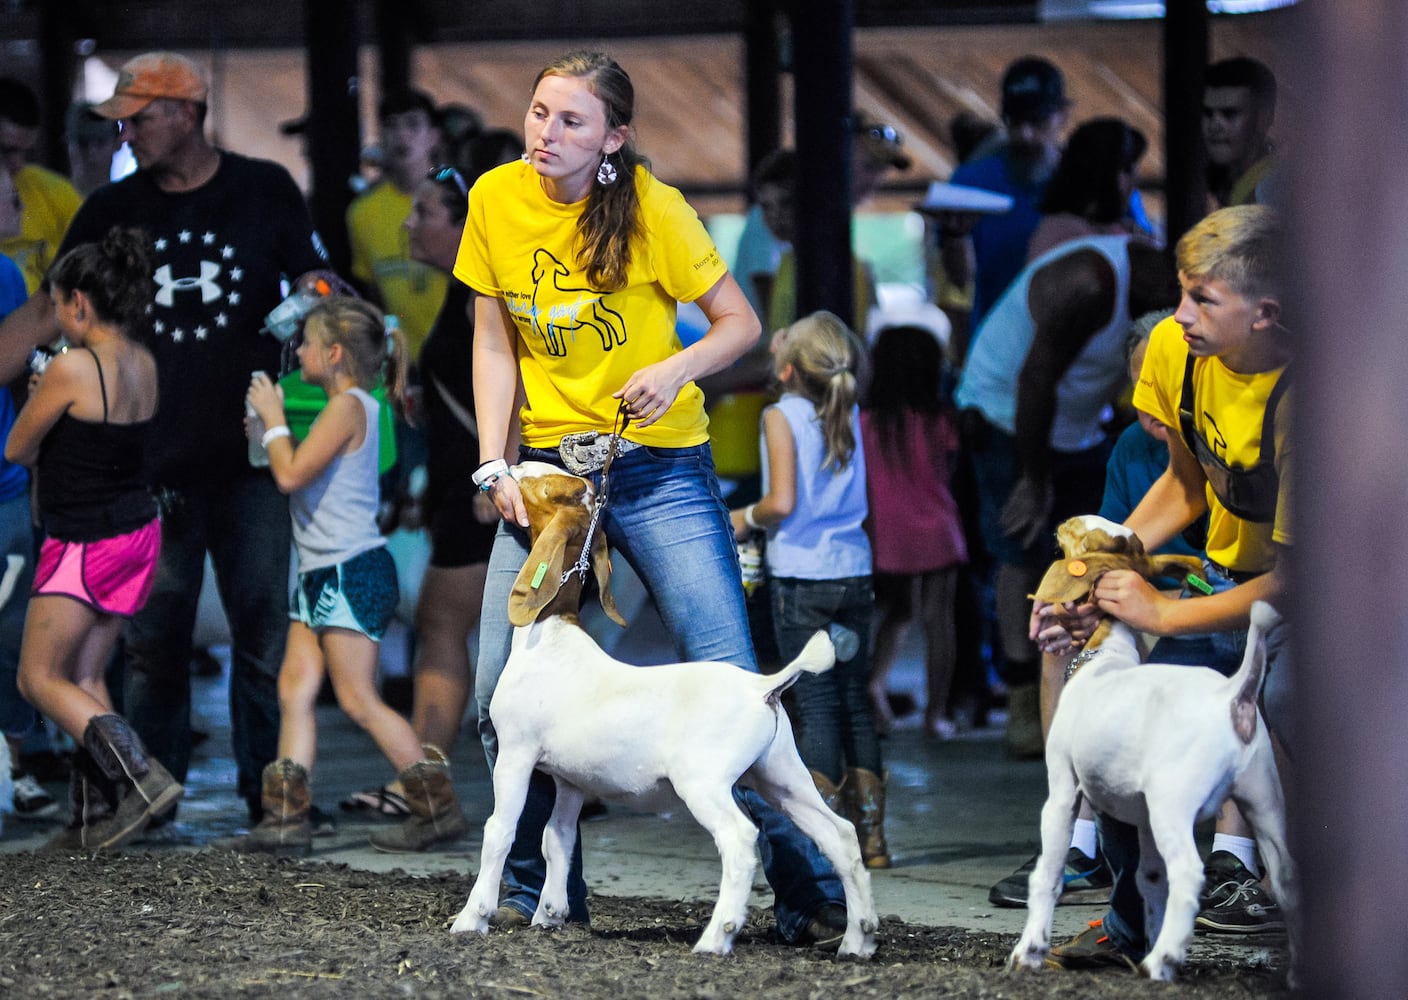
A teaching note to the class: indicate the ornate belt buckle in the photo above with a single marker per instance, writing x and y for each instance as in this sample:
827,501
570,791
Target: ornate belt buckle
585,452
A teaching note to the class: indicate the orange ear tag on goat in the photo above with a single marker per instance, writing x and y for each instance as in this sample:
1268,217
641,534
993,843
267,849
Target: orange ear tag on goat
538,576
1077,568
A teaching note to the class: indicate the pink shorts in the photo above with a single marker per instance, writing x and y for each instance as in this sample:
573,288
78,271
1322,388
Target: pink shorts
113,575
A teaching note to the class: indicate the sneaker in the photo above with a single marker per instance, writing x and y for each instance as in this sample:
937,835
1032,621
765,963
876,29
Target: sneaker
1085,880
826,928
31,801
1233,901
1090,949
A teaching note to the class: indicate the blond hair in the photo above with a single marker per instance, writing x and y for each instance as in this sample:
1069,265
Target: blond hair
822,351
612,216
1240,245
372,351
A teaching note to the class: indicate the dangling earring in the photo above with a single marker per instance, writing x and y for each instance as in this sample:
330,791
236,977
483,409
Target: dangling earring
524,157
606,173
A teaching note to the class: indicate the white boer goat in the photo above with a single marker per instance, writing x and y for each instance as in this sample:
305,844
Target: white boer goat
1153,745
653,738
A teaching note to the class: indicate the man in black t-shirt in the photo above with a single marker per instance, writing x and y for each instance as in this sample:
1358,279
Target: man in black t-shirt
226,232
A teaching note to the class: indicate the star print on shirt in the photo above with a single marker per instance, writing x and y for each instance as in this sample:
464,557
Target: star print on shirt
195,299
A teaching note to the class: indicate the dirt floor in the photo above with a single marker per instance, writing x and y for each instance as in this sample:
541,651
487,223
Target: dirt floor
212,925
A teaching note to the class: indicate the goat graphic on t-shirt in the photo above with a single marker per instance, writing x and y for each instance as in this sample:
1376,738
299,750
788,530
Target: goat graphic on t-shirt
554,322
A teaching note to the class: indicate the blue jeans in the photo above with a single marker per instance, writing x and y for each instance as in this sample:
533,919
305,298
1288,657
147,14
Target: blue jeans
244,524
834,714
666,517
1223,652
17,716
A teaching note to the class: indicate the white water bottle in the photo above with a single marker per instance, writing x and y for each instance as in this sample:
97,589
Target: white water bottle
254,431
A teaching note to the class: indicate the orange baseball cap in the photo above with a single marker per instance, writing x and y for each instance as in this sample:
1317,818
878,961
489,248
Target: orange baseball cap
147,77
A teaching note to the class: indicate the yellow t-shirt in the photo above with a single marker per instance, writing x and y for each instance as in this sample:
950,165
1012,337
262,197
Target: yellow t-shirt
50,203
1229,411
381,256
576,345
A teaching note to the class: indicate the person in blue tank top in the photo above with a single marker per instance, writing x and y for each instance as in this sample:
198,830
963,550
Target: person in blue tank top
346,591
813,508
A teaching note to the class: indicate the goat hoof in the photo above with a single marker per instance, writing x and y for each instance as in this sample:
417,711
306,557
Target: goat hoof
1026,959
708,947
468,921
864,950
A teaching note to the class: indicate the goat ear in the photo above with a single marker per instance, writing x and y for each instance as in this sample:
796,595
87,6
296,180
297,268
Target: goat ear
601,568
1177,567
1060,586
541,576
1074,579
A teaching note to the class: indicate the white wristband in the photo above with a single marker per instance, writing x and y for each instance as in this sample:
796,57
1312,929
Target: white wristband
748,518
488,472
273,434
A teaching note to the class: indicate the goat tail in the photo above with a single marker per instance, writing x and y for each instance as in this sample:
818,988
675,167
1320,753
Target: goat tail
1246,682
816,657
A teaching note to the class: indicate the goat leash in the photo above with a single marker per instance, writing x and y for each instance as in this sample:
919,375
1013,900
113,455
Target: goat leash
584,560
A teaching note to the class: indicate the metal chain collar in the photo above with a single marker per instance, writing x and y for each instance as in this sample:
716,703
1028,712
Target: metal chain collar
583,563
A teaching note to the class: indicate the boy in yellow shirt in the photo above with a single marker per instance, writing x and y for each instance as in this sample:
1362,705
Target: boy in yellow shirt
1216,372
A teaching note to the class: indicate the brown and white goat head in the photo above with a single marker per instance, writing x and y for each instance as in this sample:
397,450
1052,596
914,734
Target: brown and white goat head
559,507
1093,546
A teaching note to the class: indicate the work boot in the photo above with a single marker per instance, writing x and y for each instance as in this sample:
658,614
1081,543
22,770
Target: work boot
286,830
830,793
144,787
863,803
436,816
92,798
1024,739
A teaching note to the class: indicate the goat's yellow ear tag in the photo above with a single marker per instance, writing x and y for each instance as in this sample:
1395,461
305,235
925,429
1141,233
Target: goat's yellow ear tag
538,576
1077,568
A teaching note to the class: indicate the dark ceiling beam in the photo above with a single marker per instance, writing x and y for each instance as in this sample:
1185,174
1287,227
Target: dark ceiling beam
1185,39
141,25
762,59
333,136
822,60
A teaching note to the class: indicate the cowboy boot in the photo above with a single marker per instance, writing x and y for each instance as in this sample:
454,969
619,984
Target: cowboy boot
830,793
92,798
144,787
285,829
865,807
436,816
1024,738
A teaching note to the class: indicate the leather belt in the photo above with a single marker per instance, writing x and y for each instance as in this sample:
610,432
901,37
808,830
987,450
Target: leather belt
1236,576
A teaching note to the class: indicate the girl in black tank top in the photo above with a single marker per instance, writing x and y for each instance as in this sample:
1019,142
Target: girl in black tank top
85,427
